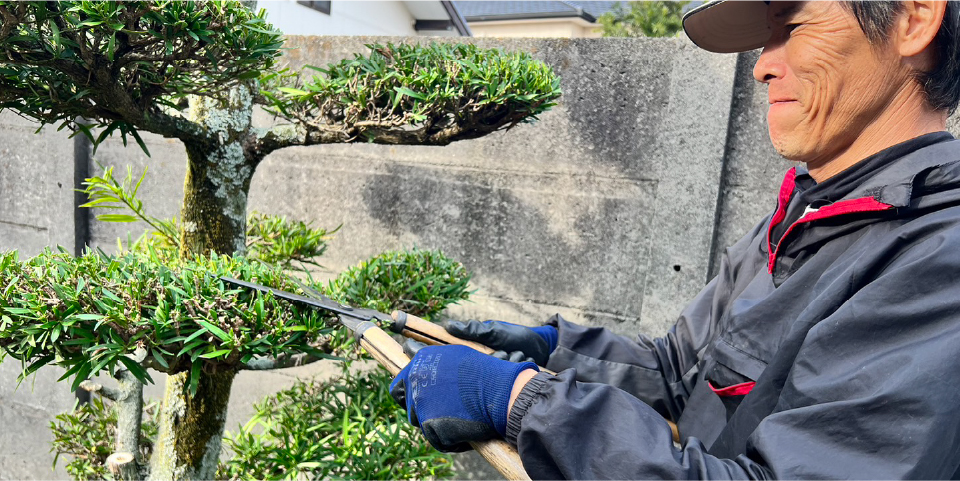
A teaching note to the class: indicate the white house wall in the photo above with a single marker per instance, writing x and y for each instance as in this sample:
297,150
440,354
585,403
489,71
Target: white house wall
346,18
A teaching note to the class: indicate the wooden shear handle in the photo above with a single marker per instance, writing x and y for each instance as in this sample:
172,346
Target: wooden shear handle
427,332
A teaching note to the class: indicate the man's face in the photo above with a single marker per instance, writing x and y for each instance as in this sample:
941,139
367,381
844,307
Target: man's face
826,83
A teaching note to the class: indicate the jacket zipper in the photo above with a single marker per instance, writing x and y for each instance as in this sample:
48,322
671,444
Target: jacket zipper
852,206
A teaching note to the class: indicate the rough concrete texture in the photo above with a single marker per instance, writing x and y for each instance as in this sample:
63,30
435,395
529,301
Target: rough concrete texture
36,211
752,168
36,186
602,211
162,189
25,414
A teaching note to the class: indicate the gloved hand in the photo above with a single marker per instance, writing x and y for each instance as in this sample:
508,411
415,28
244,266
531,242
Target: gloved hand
511,341
456,395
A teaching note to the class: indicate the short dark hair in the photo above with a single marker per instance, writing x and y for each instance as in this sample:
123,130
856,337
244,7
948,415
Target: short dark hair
941,86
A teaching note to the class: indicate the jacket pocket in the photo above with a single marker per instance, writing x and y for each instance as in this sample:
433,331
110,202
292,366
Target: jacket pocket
732,374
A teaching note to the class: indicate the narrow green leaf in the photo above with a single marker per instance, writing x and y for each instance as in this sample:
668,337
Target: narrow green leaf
195,371
111,46
409,93
293,91
82,374
190,347
215,330
157,356
143,146
218,353
116,218
136,369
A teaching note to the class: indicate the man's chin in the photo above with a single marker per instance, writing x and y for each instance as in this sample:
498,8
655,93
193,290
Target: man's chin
785,148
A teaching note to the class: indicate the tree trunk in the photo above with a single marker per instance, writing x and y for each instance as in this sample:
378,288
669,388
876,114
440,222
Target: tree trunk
214,213
214,217
191,427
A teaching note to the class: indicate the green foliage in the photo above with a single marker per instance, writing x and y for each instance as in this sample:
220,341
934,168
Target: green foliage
643,19
106,192
129,66
275,240
418,92
57,55
88,435
345,428
348,427
271,239
417,281
87,314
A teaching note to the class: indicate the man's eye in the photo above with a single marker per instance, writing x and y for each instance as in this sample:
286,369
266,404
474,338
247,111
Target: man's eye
791,26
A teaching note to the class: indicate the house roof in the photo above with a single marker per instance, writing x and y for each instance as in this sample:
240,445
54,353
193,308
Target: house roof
479,11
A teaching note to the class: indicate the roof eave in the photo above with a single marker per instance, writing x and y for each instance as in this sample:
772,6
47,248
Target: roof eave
531,16
458,21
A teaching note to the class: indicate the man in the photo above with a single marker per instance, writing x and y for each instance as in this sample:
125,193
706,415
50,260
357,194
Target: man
827,346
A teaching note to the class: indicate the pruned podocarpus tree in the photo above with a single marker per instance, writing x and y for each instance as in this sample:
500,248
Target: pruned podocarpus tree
196,71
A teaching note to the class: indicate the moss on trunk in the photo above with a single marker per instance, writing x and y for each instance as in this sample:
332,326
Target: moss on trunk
214,212
215,201
191,427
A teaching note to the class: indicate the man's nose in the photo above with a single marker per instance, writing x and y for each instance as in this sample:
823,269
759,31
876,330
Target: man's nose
770,64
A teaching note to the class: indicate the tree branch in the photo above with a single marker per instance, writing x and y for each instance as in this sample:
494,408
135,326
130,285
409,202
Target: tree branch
171,126
129,412
10,21
289,135
110,393
280,362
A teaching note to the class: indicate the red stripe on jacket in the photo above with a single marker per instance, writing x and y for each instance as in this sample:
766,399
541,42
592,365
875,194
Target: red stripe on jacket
741,389
852,206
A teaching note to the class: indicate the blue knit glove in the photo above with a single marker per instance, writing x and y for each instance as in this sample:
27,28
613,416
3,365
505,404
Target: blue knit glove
512,342
456,395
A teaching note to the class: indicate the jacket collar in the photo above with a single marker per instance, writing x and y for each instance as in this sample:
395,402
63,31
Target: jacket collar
895,184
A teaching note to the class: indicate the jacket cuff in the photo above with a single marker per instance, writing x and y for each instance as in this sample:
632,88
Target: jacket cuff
523,402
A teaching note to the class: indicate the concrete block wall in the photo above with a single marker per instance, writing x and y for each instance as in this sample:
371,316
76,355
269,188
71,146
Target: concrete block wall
36,186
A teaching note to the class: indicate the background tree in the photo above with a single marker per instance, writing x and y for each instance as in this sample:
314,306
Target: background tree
643,19
194,71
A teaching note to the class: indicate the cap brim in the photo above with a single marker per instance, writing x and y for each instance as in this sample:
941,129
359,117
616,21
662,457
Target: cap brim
728,26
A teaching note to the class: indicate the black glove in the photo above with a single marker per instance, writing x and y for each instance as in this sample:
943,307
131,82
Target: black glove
511,341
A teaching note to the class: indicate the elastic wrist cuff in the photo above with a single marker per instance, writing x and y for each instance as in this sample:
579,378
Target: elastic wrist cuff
523,402
499,416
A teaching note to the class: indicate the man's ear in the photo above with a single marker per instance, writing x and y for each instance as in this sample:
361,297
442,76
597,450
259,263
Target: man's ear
918,26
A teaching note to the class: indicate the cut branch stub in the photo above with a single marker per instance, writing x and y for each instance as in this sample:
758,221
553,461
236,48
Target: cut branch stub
123,466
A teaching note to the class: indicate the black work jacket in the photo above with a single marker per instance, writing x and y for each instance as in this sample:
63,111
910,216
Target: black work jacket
833,352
